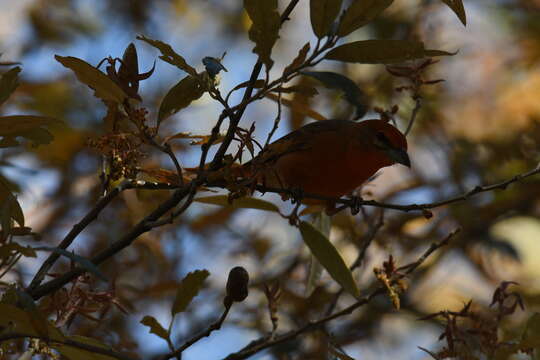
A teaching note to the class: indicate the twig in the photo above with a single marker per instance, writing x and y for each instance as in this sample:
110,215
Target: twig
409,268
417,106
75,231
76,344
235,119
143,226
214,326
276,122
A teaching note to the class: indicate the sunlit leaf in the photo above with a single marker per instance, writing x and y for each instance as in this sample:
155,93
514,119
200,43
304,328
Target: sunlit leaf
155,327
298,60
17,320
458,8
82,261
323,13
531,335
322,222
188,289
196,139
169,55
241,203
74,353
162,175
264,28
382,51
352,92
360,13
328,256
104,88
298,107
27,126
300,89
12,248
8,83
180,96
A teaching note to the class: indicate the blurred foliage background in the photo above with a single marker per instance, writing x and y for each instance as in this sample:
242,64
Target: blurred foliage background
480,126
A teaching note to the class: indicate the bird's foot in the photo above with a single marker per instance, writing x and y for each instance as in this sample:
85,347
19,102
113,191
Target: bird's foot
356,204
296,195
294,218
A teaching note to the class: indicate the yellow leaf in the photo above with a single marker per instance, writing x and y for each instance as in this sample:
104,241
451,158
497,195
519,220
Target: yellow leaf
264,28
155,327
360,13
188,289
382,51
180,96
104,88
329,257
322,14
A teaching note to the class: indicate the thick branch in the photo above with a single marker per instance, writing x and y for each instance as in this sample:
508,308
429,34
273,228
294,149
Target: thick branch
143,226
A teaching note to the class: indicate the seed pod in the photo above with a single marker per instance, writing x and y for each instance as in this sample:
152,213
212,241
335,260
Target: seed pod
237,285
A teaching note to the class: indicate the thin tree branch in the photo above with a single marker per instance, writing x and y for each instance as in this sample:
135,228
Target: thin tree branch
357,202
68,342
75,231
214,326
235,119
143,226
266,342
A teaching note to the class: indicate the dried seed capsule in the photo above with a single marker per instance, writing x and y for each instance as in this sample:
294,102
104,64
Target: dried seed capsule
237,285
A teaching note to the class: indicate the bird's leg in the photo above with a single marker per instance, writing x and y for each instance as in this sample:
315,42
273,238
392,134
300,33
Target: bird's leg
296,195
294,219
355,204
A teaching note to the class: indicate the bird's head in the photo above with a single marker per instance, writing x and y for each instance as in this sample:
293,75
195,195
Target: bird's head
386,139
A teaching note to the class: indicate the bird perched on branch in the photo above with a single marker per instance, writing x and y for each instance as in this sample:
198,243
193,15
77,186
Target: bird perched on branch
328,158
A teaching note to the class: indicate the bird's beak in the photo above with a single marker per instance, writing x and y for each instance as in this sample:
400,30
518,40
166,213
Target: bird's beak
399,156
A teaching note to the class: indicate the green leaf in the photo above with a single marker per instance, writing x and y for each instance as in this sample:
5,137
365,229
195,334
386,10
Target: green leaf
8,83
323,13
155,327
104,88
382,51
188,289
328,256
27,126
323,223
7,250
352,92
458,8
531,335
169,55
82,261
180,96
360,13
241,203
264,28
74,353
17,320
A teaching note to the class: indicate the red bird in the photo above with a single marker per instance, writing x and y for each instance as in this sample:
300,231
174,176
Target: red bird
329,158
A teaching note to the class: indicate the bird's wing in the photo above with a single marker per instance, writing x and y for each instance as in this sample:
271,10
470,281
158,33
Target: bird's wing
299,140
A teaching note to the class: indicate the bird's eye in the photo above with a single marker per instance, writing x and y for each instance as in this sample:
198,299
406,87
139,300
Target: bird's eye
381,140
